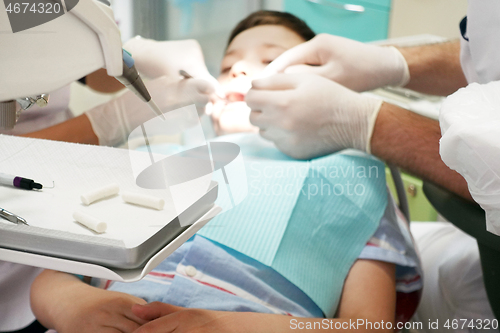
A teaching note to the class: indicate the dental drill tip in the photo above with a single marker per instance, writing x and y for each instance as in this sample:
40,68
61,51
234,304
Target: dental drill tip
156,109
218,89
22,221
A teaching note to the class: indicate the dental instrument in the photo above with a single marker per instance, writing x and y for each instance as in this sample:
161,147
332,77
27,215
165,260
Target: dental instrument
20,182
12,217
90,222
100,193
143,200
186,75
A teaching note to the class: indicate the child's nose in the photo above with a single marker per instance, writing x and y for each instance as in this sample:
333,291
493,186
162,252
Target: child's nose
240,69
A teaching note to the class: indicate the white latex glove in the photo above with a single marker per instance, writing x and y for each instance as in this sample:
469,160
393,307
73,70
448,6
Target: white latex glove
232,118
308,116
356,65
159,58
113,121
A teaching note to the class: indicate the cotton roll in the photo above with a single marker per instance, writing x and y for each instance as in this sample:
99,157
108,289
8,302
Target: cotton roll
90,222
99,193
143,200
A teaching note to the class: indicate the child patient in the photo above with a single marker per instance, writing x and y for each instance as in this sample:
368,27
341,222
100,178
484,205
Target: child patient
205,286
253,44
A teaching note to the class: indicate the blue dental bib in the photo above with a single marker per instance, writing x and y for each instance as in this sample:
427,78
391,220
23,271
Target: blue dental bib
308,220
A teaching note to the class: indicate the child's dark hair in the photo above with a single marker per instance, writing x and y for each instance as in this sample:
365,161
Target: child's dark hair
270,17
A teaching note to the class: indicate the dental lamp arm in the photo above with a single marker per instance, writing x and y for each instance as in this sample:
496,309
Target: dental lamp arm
118,62
102,23
90,38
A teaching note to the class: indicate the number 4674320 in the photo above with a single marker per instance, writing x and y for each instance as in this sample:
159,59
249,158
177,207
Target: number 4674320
35,8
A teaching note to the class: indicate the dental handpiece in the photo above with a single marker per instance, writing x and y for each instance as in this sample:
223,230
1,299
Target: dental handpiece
131,79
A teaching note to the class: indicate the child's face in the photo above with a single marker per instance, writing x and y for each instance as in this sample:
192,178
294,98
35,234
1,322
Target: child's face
249,53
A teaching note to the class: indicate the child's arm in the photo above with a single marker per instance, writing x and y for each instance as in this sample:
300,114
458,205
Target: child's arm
62,302
369,294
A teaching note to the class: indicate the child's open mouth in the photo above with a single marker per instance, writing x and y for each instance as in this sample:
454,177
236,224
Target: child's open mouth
235,97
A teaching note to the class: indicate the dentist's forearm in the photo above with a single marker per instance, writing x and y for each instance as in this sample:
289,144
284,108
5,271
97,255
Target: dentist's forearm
76,130
101,82
411,142
435,69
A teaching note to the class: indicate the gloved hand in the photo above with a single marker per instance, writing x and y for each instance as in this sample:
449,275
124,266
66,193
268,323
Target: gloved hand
353,64
154,58
113,121
231,118
308,116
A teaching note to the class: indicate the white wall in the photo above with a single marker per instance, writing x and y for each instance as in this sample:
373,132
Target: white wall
123,15
414,17
208,22
437,17
272,4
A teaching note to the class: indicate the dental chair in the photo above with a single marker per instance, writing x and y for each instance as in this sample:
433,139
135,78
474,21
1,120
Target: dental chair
470,218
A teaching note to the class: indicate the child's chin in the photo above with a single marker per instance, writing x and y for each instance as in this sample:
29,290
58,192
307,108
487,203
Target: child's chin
235,106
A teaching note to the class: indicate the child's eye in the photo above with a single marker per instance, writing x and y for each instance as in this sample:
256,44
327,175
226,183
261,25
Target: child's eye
267,62
225,70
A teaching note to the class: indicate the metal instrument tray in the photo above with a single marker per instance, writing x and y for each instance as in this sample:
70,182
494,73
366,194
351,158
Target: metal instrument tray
102,251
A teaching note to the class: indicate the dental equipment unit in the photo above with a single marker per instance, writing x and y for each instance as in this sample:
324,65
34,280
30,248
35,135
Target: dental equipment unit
45,57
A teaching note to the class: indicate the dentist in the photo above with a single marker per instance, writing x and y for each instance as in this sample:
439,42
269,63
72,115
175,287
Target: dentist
310,106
